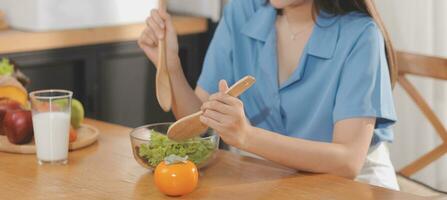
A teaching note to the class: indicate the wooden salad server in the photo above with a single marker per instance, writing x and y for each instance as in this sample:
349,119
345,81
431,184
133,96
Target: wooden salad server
162,82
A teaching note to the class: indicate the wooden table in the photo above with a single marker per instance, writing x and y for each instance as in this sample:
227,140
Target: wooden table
14,41
107,170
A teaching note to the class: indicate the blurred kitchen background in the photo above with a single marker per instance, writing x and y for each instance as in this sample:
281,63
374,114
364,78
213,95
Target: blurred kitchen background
88,46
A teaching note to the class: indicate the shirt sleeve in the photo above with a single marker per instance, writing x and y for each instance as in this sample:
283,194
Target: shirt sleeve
218,60
364,89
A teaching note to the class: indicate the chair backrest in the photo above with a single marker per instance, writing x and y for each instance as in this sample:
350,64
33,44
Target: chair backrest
431,67
421,65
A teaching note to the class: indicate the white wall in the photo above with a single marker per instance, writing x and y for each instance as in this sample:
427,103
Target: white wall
206,8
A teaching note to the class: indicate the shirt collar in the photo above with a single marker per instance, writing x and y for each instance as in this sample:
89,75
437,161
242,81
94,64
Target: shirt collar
325,36
322,42
260,24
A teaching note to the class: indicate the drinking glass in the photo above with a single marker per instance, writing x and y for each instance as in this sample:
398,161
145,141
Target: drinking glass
51,111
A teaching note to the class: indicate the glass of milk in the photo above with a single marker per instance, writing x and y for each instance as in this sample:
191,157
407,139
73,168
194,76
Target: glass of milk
51,123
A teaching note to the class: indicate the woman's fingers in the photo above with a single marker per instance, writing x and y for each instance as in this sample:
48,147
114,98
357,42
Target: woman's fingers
159,32
211,123
216,96
149,38
159,26
225,98
219,117
216,106
157,18
154,30
164,15
151,34
232,101
223,86
143,40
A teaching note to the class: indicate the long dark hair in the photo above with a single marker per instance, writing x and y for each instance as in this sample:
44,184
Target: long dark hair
340,7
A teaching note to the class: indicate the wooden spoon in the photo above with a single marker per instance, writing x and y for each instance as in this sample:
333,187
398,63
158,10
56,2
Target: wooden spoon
162,82
190,126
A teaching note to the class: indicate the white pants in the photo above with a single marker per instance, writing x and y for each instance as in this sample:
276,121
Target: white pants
377,169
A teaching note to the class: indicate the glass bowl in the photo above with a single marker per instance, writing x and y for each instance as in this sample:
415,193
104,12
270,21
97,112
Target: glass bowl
200,150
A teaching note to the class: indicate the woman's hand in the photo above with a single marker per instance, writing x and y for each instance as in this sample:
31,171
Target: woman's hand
157,24
225,114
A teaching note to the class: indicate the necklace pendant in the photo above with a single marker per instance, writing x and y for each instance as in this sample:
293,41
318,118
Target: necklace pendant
293,37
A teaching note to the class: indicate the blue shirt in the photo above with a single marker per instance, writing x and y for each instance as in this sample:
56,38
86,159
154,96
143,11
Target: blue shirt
342,73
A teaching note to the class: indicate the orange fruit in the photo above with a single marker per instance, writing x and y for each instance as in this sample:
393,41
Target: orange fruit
73,134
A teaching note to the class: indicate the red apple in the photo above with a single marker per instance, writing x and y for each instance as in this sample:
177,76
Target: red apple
18,126
5,106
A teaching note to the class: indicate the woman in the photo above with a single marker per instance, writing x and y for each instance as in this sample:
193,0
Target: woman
322,101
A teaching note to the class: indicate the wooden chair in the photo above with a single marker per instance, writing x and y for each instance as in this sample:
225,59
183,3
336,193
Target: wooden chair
430,67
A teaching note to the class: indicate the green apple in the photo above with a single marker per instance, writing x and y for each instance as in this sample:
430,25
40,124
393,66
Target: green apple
77,113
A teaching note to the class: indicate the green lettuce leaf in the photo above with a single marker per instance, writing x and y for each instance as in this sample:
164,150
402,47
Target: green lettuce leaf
160,146
6,68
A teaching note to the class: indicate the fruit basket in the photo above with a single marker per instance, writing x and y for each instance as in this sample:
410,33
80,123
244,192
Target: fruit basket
16,123
86,136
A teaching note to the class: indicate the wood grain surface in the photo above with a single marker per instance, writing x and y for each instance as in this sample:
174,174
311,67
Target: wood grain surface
107,170
14,41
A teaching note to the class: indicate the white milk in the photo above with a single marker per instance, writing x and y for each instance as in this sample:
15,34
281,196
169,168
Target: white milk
51,131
